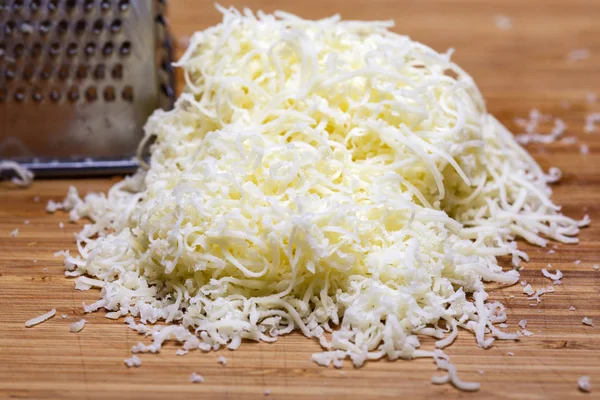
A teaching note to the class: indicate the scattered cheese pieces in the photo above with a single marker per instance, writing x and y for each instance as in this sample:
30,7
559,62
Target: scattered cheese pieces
503,22
528,290
572,308
584,149
195,378
523,323
40,319
590,122
133,361
77,326
584,384
555,277
64,316
587,321
578,55
577,262
222,360
596,267
14,233
22,176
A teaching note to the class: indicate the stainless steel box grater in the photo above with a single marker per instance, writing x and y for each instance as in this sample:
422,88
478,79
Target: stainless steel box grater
78,79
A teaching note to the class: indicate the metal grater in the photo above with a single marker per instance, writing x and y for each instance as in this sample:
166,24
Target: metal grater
78,79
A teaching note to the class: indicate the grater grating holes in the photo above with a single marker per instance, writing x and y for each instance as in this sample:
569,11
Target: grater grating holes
34,6
46,72
71,4
62,27
115,26
88,5
117,72
108,49
98,27
20,95
127,93
9,27
90,49
18,5
36,50
91,94
55,95
124,5
19,50
37,95
11,71
52,5
105,5
45,27
100,72
73,94
64,71
80,27
82,72
125,49
54,49
72,49
28,72
109,94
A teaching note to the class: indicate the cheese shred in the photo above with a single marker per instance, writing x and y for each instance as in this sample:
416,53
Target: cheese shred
328,177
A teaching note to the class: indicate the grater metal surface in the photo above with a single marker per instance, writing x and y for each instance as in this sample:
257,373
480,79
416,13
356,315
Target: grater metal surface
78,79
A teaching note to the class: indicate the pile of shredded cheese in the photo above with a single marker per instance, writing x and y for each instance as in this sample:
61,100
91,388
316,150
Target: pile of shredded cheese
330,177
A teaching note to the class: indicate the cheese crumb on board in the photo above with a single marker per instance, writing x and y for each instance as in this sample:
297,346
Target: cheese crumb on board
39,319
584,384
77,326
578,55
14,233
316,174
133,361
195,378
22,176
572,308
503,22
222,360
587,321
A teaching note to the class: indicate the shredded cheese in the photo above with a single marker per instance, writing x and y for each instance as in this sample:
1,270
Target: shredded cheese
584,384
133,361
39,319
328,177
14,233
22,176
195,378
587,321
77,326
222,360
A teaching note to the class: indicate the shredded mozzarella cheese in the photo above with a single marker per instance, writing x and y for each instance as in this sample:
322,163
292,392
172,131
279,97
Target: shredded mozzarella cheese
195,378
584,384
77,326
39,319
329,177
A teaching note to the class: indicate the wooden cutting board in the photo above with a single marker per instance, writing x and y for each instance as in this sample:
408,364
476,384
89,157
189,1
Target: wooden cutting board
517,70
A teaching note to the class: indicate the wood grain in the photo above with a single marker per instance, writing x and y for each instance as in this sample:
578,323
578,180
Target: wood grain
517,70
